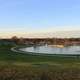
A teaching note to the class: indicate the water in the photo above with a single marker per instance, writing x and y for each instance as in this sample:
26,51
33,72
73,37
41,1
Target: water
52,50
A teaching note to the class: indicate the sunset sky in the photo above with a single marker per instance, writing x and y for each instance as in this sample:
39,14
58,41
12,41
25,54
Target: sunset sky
24,17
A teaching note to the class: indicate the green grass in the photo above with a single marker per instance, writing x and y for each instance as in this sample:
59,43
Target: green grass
7,55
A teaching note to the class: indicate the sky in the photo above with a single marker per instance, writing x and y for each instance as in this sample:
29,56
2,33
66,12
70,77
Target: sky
21,17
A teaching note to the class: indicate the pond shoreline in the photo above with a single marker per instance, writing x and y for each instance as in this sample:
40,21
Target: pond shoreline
17,49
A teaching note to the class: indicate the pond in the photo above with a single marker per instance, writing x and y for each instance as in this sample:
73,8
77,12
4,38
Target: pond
46,49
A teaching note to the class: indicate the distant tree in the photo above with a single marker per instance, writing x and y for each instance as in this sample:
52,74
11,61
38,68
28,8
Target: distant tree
15,39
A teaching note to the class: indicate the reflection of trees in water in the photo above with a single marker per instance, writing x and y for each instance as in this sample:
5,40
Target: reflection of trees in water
36,48
68,49
62,50
65,49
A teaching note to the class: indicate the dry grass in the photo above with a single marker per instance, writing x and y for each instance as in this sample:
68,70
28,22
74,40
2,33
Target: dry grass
38,72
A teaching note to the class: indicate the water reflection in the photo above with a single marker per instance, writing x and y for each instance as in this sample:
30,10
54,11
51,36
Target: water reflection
53,50
36,48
